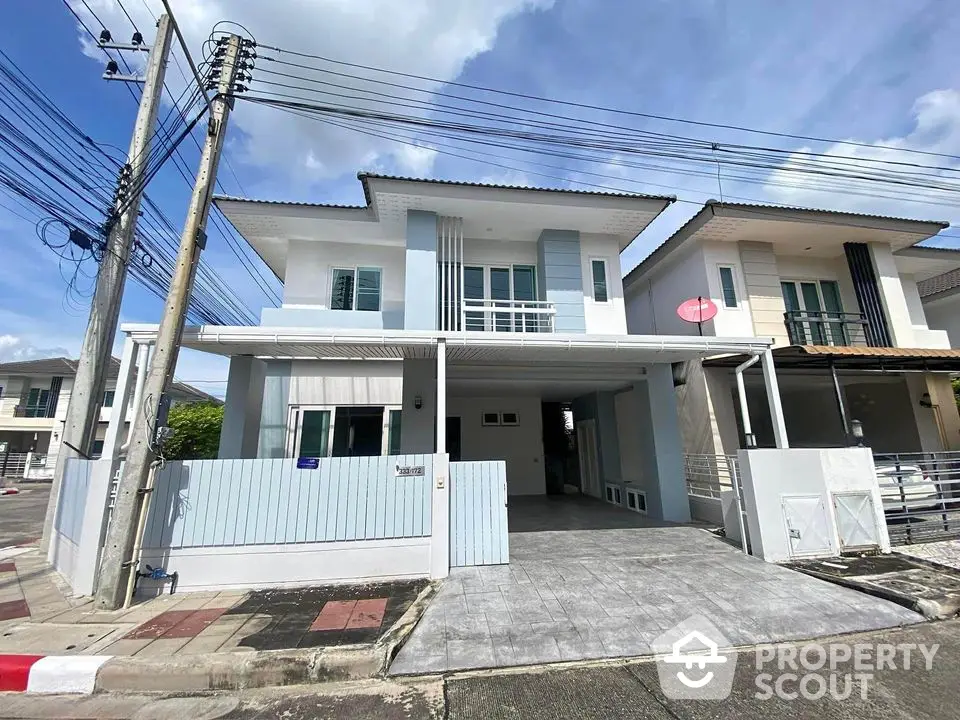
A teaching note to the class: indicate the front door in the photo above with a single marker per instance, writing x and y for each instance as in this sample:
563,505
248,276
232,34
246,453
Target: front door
589,465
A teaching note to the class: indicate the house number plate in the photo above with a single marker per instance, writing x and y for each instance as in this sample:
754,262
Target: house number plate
411,471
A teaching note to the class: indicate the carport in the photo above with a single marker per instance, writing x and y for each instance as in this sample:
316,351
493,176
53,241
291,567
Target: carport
611,583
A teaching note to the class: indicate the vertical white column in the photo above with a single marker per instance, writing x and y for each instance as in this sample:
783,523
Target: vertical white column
121,397
143,362
440,515
441,396
773,399
461,292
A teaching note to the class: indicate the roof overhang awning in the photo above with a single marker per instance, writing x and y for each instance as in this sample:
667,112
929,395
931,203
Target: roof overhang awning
462,348
854,358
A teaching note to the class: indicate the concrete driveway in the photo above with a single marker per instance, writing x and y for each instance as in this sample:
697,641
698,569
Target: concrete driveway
612,583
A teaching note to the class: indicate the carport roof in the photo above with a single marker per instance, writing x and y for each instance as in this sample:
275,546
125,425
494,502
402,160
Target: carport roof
473,347
854,358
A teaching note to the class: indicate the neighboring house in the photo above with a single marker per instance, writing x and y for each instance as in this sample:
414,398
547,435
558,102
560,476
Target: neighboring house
838,293
940,296
490,306
34,395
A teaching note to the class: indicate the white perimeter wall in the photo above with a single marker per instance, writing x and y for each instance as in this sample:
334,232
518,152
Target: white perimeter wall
520,446
775,478
223,568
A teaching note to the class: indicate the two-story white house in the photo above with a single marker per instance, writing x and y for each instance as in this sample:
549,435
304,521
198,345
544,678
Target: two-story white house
34,396
447,316
838,294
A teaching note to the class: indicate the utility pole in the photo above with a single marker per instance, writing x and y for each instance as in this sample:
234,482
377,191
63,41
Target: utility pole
88,386
146,434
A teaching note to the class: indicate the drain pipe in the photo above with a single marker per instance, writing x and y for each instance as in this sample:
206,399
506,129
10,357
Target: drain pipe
744,410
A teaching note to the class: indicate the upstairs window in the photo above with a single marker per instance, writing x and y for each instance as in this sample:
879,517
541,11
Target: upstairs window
108,398
599,272
356,289
729,287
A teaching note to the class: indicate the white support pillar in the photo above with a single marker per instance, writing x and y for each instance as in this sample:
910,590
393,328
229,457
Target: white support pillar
121,398
244,404
440,515
442,396
777,422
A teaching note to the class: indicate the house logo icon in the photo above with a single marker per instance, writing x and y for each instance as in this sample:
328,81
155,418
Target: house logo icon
694,661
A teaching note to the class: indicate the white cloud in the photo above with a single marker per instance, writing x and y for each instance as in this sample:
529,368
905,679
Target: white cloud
16,349
425,37
935,129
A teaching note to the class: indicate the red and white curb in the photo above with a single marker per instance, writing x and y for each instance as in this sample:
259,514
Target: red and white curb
9,491
51,673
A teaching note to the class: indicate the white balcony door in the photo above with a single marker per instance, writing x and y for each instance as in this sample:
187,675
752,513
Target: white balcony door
819,301
503,286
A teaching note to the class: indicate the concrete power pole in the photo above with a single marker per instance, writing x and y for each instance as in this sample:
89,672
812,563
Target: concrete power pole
117,559
89,384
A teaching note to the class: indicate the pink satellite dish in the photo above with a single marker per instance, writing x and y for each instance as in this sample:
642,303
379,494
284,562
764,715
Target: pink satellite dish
697,310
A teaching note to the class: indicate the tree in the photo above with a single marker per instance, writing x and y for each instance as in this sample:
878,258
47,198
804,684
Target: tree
196,431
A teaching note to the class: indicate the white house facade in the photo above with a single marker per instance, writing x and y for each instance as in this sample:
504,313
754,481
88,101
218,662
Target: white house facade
837,293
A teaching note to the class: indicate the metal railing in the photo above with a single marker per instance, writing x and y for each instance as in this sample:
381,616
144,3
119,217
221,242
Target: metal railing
921,495
708,475
508,316
825,328
31,411
13,464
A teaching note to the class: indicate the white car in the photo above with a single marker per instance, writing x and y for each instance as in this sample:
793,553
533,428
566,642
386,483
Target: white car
905,487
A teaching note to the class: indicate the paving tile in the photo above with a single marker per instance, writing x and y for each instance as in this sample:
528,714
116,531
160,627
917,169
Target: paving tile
200,645
192,625
14,609
6,567
158,625
334,615
463,654
367,614
127,647
163,647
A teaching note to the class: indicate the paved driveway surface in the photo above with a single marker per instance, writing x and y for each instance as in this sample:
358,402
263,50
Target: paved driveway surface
609,588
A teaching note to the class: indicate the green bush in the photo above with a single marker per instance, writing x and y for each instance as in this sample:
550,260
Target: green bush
196,431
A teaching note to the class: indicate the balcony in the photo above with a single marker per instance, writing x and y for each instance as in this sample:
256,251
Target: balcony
508,316
825,328
30,411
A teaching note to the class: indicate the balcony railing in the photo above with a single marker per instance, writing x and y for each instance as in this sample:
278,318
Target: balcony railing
30,411
532,316
825,328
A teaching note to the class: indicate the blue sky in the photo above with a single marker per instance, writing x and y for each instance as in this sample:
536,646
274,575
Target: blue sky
874,71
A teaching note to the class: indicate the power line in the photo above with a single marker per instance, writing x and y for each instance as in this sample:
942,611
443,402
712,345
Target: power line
599,108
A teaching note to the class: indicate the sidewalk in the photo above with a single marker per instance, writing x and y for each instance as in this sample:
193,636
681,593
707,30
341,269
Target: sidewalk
204,633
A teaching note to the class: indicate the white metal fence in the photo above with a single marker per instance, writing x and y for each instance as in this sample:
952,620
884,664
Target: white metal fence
13,465
921,495
710,479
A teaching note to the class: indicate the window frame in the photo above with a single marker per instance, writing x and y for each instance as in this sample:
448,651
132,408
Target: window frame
355,269
606,280
737,291
112,394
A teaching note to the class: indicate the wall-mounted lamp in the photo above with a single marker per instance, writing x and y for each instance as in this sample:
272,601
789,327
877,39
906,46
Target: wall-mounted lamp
925,401
856,429
418,402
